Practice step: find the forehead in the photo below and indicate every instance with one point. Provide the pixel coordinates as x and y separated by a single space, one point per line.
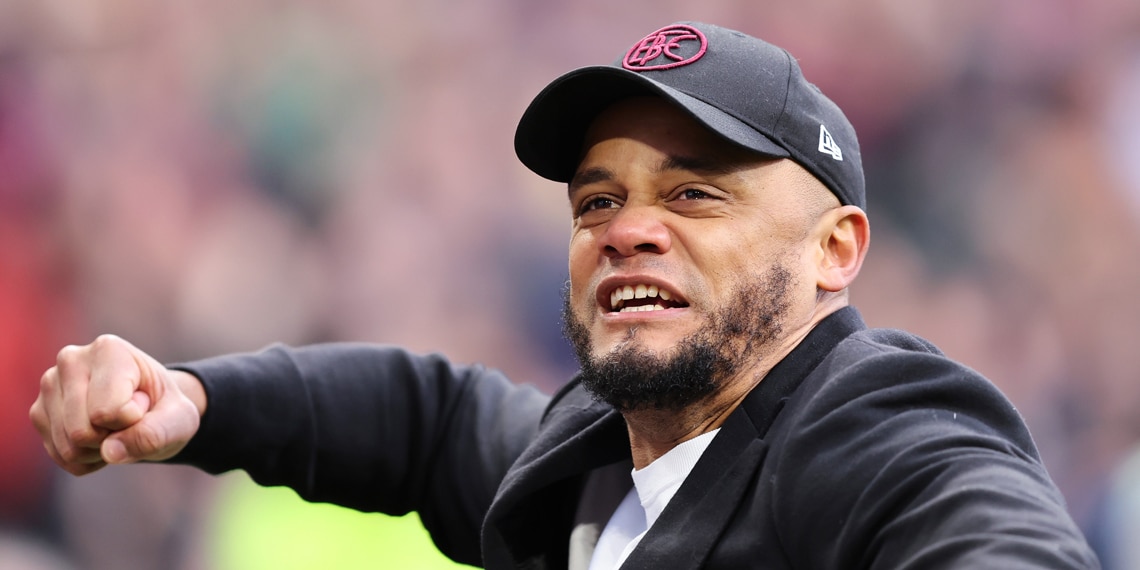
659 124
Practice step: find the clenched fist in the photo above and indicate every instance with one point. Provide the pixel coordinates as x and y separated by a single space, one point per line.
109 402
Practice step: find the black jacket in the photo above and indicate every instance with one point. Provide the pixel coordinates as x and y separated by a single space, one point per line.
861 449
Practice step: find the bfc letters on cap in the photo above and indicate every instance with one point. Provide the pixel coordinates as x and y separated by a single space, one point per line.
669 47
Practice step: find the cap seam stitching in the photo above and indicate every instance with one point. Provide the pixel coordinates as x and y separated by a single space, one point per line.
784 104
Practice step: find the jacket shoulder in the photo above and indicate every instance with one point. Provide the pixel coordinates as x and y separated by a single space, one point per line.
890 443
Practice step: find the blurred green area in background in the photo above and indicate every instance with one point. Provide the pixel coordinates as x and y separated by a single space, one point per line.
260 528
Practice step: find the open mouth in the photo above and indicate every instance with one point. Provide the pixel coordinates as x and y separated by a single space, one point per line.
636 298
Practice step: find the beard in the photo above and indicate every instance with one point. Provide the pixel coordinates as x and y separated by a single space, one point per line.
632 378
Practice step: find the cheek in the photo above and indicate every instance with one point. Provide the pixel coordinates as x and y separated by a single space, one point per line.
738 260
745 261
583 263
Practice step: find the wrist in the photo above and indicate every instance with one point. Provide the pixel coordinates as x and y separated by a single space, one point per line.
191 387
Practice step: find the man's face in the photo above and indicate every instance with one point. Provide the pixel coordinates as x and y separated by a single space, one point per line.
686 257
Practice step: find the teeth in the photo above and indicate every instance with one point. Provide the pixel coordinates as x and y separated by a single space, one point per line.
638 292
643 308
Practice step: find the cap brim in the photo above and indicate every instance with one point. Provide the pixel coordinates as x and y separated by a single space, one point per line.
549 136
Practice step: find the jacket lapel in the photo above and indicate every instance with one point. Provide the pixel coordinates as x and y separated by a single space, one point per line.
531 518
697 515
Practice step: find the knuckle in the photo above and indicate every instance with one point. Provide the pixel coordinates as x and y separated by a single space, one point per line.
78 435
85 437
102 414
105 341
100 417
150 439
73 466
159 436
67 355
80 469
38 417
70 455
49 381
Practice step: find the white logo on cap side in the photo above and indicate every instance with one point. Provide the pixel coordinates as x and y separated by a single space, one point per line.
827 144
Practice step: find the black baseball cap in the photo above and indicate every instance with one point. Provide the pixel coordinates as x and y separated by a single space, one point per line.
740 87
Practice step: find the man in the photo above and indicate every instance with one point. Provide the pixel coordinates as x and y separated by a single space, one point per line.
718 219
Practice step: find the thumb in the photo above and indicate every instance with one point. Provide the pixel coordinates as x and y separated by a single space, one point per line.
160 434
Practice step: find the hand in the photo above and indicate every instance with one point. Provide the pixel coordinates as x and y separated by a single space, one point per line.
109 402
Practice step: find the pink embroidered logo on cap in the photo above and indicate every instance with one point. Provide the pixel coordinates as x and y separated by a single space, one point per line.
665 48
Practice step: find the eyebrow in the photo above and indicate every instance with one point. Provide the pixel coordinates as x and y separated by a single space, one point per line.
590 176
699 164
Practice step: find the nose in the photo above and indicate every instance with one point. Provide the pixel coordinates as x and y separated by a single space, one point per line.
633 230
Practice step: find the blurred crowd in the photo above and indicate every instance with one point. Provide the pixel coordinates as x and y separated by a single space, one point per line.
204 177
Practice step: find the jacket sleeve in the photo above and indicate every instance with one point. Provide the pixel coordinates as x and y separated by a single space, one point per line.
368 427
903 459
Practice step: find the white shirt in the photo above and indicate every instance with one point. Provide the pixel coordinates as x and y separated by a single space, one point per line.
653 488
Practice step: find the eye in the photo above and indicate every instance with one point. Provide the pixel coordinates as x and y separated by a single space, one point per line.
697 199
596 203
694 194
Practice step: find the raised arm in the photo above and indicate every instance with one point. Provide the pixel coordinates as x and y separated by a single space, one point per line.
368 427
333 420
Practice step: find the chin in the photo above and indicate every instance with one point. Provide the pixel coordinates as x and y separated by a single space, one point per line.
642 338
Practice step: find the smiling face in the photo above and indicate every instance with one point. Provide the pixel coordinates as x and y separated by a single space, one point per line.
685 250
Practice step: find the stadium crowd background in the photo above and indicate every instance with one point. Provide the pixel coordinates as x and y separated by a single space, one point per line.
212 176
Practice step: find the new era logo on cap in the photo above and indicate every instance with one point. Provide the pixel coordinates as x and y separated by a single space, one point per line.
827 144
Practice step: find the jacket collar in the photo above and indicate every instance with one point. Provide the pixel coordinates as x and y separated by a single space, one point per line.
529 522
767 399
707 500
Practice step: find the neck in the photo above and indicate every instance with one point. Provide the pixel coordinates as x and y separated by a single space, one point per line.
652 433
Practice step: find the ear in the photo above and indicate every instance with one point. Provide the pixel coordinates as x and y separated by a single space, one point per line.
843 237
